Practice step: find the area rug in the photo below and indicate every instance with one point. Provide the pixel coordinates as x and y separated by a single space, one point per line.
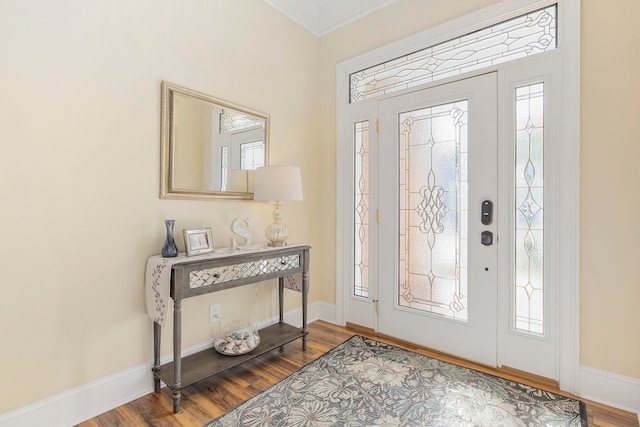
363 382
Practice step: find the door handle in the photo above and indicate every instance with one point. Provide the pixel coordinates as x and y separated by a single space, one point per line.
487 212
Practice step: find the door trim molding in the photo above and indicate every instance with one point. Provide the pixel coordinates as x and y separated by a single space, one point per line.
568 186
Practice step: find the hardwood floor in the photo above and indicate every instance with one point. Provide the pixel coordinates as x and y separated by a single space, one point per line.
211 398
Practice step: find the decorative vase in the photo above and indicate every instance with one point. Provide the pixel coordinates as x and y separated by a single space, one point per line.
169 250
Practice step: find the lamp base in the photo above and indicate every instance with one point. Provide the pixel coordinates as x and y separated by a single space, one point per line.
277 232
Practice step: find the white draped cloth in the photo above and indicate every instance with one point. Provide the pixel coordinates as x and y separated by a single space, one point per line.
158 277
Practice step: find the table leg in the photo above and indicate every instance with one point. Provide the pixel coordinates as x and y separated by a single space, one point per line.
281 298
177 353
157 334
281 305
305 294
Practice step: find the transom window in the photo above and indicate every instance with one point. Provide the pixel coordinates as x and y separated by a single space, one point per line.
515 38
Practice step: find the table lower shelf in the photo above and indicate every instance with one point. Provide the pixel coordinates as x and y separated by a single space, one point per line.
209 362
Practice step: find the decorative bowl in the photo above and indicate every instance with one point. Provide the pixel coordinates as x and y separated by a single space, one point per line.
236 338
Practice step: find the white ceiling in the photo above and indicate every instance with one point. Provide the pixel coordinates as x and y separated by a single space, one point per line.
323 16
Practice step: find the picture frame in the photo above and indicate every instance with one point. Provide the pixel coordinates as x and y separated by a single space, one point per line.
197 242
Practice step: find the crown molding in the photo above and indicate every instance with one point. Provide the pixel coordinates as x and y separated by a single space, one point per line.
320 17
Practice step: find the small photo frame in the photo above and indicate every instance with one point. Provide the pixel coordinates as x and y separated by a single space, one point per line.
198 242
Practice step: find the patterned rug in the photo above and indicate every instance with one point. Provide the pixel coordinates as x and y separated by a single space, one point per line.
363 382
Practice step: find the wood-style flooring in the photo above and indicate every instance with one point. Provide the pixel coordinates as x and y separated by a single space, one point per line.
211 398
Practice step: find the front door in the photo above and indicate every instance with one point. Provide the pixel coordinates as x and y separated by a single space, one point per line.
437 218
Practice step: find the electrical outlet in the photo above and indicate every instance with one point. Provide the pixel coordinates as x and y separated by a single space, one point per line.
214 313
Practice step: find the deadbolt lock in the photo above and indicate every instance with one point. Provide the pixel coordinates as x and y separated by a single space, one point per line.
486 238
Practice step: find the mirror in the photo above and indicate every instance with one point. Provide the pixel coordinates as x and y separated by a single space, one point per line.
210 148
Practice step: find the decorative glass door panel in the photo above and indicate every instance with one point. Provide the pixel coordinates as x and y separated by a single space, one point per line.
361 211
437 166
529 269
433 186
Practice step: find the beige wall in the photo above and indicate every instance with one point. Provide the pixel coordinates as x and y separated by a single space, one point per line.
610 175
79 170
610 155
79 113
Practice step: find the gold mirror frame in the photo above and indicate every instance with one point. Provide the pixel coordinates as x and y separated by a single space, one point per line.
168 164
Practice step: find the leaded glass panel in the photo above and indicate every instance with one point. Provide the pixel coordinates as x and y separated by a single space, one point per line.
234 121
361 211
522 36
433 190
529 212
252 155
224 167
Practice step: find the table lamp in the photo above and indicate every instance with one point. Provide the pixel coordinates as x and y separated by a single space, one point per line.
276 184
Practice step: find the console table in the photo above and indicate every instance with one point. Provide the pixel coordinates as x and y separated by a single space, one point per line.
203 274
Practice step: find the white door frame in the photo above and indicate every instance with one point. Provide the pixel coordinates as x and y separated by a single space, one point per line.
568 184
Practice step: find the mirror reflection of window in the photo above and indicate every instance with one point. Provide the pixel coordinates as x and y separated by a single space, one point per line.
224 167
234 121
252 155
238 141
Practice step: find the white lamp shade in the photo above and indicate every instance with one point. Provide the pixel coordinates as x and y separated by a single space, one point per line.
278 183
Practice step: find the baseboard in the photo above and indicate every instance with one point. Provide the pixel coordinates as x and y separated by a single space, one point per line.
316 311
86 401
327 312
94 398
610 389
